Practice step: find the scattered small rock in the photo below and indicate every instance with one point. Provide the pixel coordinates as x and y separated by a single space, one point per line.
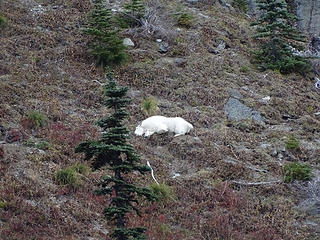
134 94
41 152
288 117
128 42
31 202
192 1
28 3
274 153
280 128
180 62
235 94
186 140
163 48
225 3
265 145
202 15
100 228
42 29
197 139
280 156
175 175
37 10
218 49
266 100
311 146
245 88
315 44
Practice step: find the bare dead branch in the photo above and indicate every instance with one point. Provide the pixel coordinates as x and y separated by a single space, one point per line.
255 183
152 175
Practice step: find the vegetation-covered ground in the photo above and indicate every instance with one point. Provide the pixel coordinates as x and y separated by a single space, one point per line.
46 73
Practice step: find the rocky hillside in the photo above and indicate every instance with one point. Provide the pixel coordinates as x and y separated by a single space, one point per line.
227 175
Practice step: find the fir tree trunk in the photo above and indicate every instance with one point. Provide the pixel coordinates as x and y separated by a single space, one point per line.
120 220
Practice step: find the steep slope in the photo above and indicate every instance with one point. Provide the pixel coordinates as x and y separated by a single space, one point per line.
205 68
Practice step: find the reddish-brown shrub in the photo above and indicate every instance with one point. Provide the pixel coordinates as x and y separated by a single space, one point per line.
221 227
265 234
26 124
156 224
14 135
66 135
227 197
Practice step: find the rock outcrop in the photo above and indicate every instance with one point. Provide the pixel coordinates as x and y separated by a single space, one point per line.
309 13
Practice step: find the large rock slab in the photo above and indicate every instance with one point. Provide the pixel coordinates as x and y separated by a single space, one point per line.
237 111
309 13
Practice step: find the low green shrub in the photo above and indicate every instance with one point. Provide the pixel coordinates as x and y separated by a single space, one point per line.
149 106
37 119
3 21
67 176
72 174
185 19
43 145
3 204
30 143
292 143
134 11
244 69
242 5
162 191
82 168
297 171
165 229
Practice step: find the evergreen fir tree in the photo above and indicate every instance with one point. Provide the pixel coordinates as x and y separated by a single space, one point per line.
107 46
134 11
112 150
136 8
276 29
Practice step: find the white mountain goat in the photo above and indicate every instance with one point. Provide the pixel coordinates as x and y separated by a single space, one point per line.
160 124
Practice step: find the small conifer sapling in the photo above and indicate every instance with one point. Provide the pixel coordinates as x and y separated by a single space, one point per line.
134 11
106 45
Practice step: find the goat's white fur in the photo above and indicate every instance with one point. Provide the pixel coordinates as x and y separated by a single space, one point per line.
160 124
